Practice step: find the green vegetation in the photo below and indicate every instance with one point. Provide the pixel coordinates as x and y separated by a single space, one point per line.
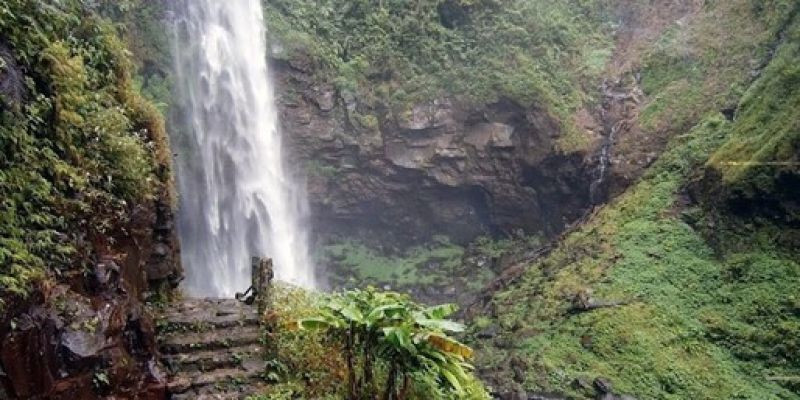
80 150
766 138
141 26
684 287
709 305
494 248
441 269
700 64
367 344
366 266
401 52
318 169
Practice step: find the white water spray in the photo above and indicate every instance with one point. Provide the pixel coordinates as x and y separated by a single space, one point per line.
237 198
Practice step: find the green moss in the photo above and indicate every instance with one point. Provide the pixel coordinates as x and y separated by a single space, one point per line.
366 265
142 28
81 149
700 65
478 51
317 168
710 303
573 140
766 138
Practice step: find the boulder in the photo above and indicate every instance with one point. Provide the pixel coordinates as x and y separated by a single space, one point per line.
484 135
603 385
323 97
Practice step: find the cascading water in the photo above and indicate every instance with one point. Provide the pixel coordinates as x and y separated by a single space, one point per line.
619 107
237 198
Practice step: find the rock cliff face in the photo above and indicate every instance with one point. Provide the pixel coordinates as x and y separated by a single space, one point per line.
89 333
439 168
459 169
84 332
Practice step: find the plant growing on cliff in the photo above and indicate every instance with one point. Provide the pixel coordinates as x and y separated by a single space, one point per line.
533 52
80 149
386 335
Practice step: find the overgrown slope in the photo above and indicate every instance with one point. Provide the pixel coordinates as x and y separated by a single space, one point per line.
686 285
85 206
80 146
394 53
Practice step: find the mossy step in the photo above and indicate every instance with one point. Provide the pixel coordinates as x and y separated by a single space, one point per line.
211 396
236 392
204 314
216 339
214 383
214 359
235 395
192 324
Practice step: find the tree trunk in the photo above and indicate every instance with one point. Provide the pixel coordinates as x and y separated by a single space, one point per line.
368 376
391 379
404 389
351 370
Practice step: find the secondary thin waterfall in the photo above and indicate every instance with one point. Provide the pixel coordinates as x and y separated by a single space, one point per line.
237 198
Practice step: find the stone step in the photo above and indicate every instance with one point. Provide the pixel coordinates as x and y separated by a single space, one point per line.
183 342
214 359
210 396
225 380
191 324
194 315
216 395
212 347
240 392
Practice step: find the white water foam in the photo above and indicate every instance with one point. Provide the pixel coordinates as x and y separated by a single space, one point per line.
237 197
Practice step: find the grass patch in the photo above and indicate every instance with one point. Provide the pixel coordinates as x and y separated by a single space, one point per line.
700 65
768 123
417 266
704 319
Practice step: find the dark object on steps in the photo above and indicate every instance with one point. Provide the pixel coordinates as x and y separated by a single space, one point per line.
244 298
213 347
261 279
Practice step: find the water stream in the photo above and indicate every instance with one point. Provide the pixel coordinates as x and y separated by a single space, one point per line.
237 196
619 103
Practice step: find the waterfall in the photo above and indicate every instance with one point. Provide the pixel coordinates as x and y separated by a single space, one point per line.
620 106
237 196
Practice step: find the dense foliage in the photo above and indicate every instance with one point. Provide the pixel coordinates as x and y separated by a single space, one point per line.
80 147
704 286
396 52
366 344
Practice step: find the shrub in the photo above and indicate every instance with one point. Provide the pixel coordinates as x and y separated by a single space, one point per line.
367 344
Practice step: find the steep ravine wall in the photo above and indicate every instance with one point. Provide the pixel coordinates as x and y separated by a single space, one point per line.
87 229
89 333
443 168
398 175
680 287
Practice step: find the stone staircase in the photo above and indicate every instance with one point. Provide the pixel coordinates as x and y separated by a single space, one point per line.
212 349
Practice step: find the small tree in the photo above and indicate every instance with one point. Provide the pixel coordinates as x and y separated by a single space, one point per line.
388 333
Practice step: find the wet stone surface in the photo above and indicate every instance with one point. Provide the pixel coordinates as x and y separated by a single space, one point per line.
211 348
